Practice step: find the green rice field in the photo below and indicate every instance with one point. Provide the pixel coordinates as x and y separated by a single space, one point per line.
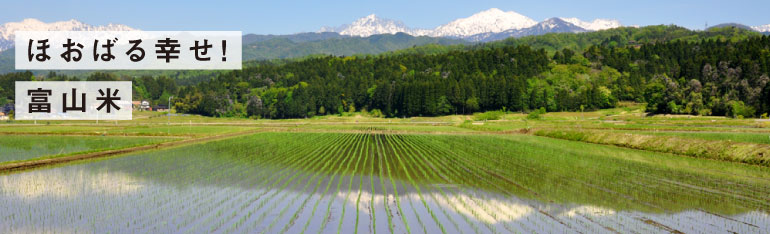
375 182
24 147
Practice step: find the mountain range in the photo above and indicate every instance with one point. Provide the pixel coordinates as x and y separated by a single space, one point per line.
552 25
489 25
8 30
762 28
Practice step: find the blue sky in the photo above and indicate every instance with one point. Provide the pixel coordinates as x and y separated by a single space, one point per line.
282 17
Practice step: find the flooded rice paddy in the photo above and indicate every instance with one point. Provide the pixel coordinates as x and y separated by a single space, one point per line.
387 183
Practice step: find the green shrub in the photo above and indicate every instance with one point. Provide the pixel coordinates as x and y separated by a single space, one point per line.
704 112
536 114
377 113
739 109
489 115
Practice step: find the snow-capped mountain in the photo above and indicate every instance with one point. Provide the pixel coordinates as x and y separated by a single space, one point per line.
595 25
762 28
482 26
551 25
493 20
370 25
8 30
5 44
555 25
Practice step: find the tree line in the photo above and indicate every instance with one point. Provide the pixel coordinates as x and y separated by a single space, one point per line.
711 77
708 77
703 77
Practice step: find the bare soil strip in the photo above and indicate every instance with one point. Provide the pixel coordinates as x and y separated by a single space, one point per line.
64 159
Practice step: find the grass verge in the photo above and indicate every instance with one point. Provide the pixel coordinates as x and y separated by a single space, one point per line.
744 152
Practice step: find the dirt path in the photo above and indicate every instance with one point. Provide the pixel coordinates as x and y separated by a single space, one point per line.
70 158
97 134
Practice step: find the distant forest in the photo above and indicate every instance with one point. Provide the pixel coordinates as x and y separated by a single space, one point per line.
721 71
